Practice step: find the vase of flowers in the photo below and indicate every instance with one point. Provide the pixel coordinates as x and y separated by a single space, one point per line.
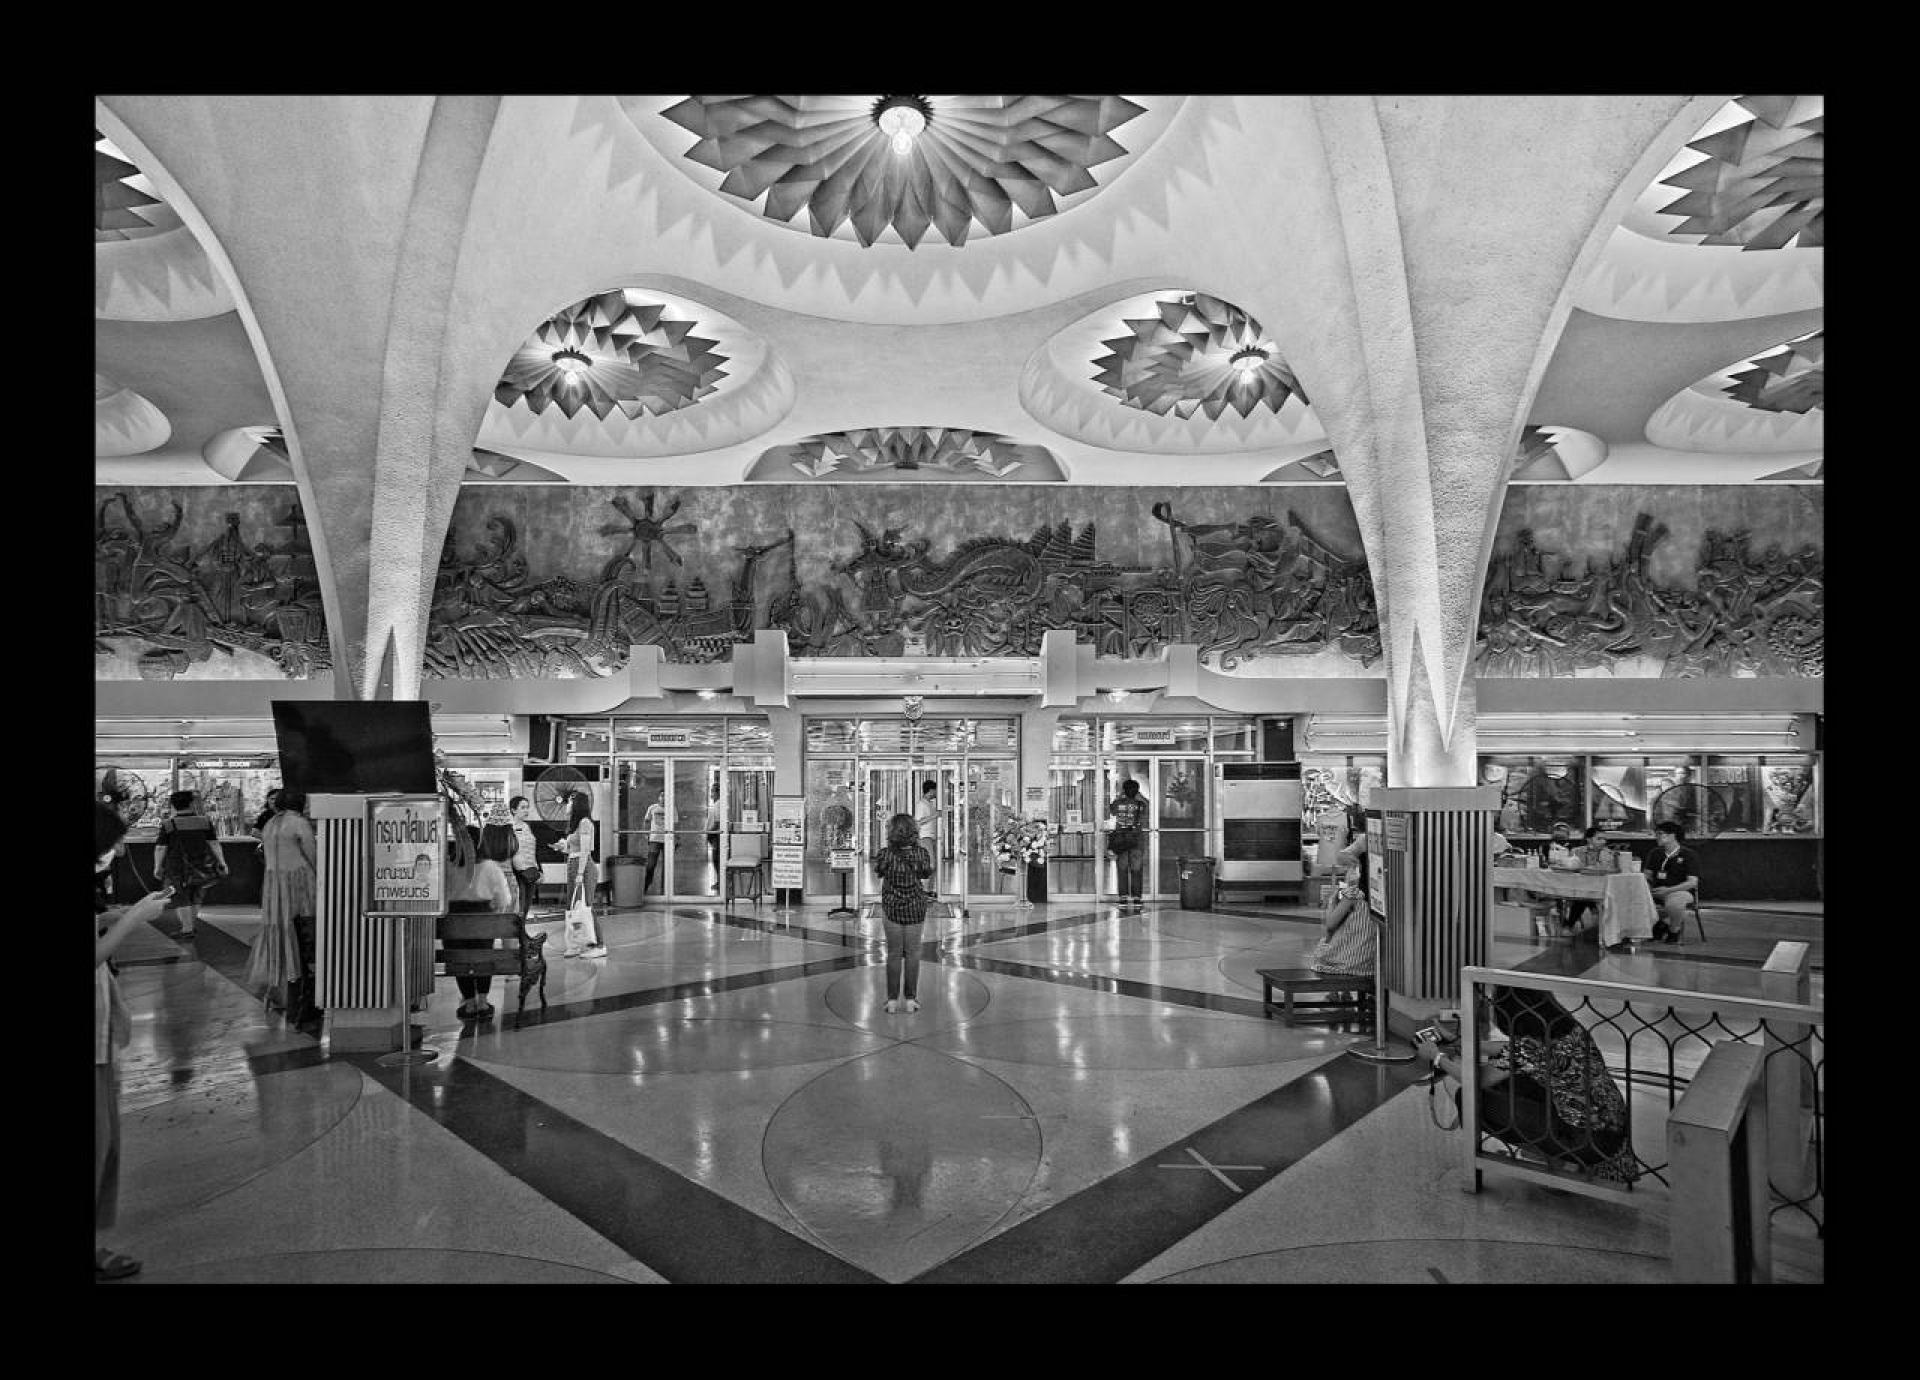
1020 845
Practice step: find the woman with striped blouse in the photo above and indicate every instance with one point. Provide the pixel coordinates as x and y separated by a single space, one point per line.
901 866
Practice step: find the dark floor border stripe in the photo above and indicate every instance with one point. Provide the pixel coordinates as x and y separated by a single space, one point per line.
1109 1229
536 1015
1100 982
677 1228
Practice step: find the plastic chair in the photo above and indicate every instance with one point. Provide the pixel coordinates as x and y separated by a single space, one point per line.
746 862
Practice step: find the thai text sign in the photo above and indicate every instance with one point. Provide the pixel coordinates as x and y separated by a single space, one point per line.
407 854
789 841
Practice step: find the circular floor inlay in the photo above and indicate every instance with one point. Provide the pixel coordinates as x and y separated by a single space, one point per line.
1135 1042
946 995
655 1040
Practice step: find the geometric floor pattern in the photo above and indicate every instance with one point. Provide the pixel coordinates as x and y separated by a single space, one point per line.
1084 1096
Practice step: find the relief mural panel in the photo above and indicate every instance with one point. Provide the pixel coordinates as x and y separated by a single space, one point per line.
207 583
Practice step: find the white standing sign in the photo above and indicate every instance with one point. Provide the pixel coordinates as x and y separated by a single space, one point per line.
407 854
789 842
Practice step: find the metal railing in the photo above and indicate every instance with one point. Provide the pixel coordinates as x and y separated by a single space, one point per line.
1560 1111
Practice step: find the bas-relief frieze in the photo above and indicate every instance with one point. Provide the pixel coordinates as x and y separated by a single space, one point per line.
1743 614
168 605
1257 587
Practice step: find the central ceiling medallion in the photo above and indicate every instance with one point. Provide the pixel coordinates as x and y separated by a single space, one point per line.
616 350
1195 354
874 164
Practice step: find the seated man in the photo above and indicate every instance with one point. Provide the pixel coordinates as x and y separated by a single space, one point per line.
1592 853
1674 877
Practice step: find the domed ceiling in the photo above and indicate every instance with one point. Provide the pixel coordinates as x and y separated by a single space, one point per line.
125 206
1169 372
887 169
636 372
1759 181
616 350
895 453
1770 402
1789 379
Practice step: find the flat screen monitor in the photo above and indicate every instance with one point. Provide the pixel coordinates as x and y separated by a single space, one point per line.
355 747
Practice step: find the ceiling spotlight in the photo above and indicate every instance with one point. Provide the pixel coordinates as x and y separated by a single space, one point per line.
901 119
1247 360
571 363
1117 696
707 694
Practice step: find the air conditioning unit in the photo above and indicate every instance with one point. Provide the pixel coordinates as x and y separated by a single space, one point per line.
1259 812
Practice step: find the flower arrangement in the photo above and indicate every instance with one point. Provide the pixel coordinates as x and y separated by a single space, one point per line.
1017 841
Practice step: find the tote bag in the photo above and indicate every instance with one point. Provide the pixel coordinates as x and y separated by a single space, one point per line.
582 933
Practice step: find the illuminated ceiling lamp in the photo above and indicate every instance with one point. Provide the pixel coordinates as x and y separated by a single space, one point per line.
901 119
573 364
1247 361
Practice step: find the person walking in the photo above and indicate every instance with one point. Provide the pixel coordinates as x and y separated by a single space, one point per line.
583 873
901 866
112 1031
526 851
713 827
277 968
1126 839
187 855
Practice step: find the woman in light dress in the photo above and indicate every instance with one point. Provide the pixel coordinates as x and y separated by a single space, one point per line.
583 874
277 967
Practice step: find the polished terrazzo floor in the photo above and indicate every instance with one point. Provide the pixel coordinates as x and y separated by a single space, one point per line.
1084 1096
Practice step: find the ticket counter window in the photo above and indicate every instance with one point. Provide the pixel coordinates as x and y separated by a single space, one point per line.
1770 793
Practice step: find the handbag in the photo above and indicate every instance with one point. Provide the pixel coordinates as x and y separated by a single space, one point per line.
581 931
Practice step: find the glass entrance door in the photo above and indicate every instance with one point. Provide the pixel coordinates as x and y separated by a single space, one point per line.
662 807
965 795
1175 789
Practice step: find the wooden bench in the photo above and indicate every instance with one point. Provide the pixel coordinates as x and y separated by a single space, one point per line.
1291 982
520 954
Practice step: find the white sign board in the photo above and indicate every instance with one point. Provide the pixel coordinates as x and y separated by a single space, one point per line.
669 737
1377 865
1153 737
1036 802
841 860
407 854
789 841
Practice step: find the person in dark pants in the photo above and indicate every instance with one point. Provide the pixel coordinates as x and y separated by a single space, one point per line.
1674 877
1126 839
713 826
901 866
526 850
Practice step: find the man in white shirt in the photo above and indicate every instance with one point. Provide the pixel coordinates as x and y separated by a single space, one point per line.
926 820
526 858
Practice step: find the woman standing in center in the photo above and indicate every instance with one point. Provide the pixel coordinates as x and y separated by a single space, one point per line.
286 890
583 874
902 865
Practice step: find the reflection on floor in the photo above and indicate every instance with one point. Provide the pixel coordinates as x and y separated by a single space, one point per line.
1084 1096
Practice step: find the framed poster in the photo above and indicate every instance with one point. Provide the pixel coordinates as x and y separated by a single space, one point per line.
407 854
841 860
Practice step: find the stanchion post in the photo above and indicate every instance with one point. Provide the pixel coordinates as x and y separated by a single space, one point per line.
1382 1052
406 1054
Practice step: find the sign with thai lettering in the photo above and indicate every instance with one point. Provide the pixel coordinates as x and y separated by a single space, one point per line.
407 854
1377 865
669 737
1153 737
789 841
841 860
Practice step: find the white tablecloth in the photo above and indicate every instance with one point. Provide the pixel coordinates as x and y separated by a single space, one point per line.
1626 902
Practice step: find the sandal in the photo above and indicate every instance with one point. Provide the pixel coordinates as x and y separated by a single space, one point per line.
113 1265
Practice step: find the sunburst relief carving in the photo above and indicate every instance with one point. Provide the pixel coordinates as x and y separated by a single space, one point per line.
1762 184
1789 379
614 350
1195 354
991 162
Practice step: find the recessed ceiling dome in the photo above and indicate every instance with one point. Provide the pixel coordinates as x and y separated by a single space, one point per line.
1755 178
947 454
885 169
1789 379
1195 353
125 206
620 350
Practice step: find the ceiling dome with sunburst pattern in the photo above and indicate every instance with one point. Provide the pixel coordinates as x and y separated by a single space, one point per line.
1194 353
886 169
948 454
619 350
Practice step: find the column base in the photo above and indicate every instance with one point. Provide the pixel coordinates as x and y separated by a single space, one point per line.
369 1030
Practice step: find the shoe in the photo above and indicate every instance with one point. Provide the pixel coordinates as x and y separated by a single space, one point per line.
484 1011
597 951
113 1265
892 1006
912 1006
465 1009
1661 934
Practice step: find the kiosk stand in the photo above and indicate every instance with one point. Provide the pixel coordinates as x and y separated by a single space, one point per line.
405 1054
406 876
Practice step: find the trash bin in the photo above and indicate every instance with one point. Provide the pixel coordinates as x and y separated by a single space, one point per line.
1196 884
629 880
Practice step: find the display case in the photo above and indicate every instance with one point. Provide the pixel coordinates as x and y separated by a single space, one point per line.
1766 793
1537 792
